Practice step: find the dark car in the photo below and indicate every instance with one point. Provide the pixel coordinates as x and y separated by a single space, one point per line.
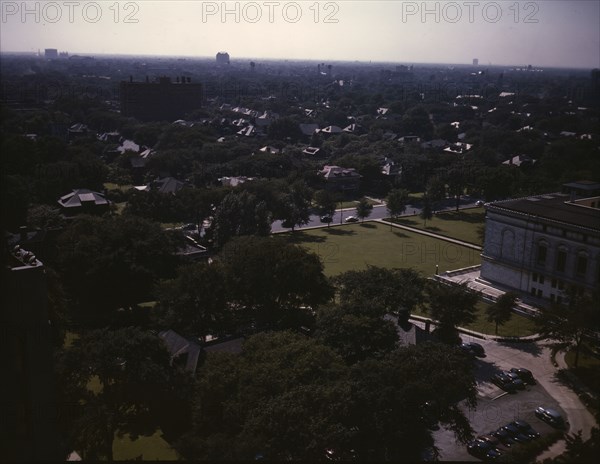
524 374
516 380
326 219
473 348
515 433
504 382
492 440
526 429
483 450
504 437
551 416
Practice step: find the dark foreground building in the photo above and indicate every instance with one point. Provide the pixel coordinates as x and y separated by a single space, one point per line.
29 406
160 101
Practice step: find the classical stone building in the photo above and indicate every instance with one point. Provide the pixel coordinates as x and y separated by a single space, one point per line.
544 245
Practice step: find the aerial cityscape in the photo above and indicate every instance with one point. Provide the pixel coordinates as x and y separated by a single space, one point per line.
307 231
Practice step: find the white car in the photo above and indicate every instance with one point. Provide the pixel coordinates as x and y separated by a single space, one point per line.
351 219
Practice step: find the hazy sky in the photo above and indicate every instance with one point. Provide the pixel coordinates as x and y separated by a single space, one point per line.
541 33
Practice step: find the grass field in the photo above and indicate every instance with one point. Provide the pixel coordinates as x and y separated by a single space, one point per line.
517 326
462 225
588 370
354 247
147 448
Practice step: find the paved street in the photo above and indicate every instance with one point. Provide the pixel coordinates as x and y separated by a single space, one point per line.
379 212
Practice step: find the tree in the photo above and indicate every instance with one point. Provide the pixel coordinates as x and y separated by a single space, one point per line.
382 290
134 376
297 206
364 208
355 331
426 210
284 396
109 263
451 306
326 202
500 311
436 190
272 278
195 302
570 323
390 394
396 203
240 213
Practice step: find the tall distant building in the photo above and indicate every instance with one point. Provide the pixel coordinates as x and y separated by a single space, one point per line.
475 61
160 101
222 58
544 245
51 53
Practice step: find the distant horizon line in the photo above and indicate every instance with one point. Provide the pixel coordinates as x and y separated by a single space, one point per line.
39 53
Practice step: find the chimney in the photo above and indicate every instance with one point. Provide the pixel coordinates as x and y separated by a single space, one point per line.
22 233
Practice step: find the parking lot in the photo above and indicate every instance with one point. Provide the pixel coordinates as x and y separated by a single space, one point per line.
496 408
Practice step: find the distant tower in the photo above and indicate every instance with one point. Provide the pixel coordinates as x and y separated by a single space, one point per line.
51 53
475 61
222 58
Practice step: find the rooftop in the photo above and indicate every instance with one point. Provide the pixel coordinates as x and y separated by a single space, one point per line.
553 207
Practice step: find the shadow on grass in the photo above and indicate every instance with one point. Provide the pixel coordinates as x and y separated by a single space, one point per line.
340 231
461 216
368 226
400 234
301 237
433 229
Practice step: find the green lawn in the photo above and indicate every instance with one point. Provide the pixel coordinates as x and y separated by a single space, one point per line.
517 326
588 367
147 448
462 225
354 247
123 188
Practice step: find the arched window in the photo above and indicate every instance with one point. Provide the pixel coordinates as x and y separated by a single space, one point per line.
541 252
561 258
581 265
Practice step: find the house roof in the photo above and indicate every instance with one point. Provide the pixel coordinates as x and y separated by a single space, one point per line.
178 345
82 197
309 129
553 207
336 172
168 185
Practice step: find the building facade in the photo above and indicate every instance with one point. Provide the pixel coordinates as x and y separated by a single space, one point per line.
546 246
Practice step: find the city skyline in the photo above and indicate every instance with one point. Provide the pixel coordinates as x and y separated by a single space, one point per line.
543 34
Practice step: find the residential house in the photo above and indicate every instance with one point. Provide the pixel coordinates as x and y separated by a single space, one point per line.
84 201
340 179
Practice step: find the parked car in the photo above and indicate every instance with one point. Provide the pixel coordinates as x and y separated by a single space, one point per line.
483 450
504 382
515 433
525 428
480 203
504 437
326 219
351 219
475 348
524 374
492 440
551 416
516 380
